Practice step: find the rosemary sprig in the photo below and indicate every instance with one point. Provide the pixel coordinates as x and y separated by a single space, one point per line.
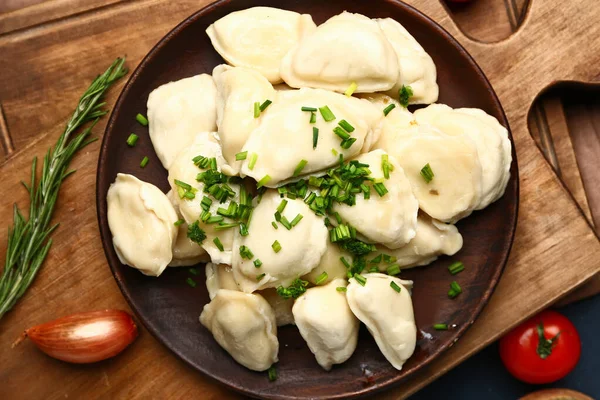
29 238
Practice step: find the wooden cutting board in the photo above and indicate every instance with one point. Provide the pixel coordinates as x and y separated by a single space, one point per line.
46 64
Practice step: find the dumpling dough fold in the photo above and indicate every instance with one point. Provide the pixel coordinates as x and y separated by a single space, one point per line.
185 251
219 276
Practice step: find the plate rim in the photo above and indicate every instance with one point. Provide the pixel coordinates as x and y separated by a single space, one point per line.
156 333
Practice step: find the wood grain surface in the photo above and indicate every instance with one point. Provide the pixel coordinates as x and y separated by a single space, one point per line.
45 69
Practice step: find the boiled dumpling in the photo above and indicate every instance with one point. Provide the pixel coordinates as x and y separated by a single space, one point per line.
330 263
238 89
177 111
183 169
185 251
455 189
346 48
392 128
326 323
301 247
142 222
219 276
285 135
417 69
244 325
259 37
491 138
390 219
433 239
388 314
281 307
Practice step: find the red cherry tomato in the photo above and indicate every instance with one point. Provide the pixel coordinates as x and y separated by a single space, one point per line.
542 349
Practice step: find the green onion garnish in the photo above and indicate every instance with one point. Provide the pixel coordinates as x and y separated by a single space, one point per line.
455 290
338 218
252 162
132 139
263 181
385 166
346 125
341 289
351 89
380 189
341 133
257 263
313 117
427 173
456 267
315 136
311 197
360 279
376 260
394 286
245 252
389 108
347 143
284 221
326 113
272 374
373 269
259 277
194 271
334 152
191 282
345 262
179 222
297 219
256 109
300 167
274 224
205 203
311 109
213 219
264 105
144 162
281 206
440 327
241 156
141 119
321 278
183 185
404 95
276 246
223 226
218 243
393 269
244 229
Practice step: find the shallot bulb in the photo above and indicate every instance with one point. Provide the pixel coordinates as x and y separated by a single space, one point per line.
85 337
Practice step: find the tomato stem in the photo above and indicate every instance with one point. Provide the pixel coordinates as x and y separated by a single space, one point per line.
545 346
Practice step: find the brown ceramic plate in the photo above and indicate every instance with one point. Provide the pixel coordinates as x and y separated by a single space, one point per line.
169 308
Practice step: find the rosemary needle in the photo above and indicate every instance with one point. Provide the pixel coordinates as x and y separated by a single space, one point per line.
29 238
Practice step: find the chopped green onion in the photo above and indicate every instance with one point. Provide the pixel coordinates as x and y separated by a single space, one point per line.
395 286
334 152
321 278
313 117
326 113
274 224
259 277
338 218
244 229
179 222
194 271
300 167
296 219
183 185
257 263
389 259
388 109
456 267
440 327
272 374
456 287
385 166
347 143
256 109
132 140
223 226
141 119
189 195
214 219
346 125
341 289
380 189
281 206
315 136
311 109
393 269
252 162
245 252
263 181
310 198
284 221
376 260
360 279
276 246
341 133
218 243
241 156
404 95
373 269
345 262
351 89
144 162
190 281
264 105
205 203
427 173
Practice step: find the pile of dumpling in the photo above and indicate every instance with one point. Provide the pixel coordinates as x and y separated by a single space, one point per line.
307 198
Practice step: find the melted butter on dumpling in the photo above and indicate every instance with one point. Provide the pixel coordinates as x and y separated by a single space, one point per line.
183 169
142 222
301 247
244 325
417 69
390 219
237 91
491 138
346 48
177 111
259 37
285 134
